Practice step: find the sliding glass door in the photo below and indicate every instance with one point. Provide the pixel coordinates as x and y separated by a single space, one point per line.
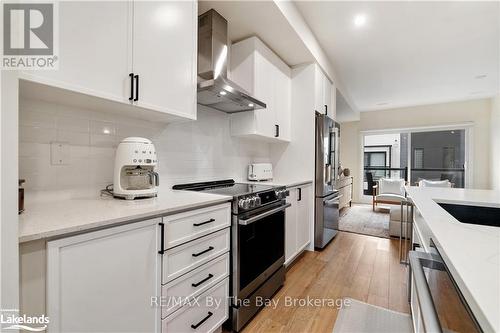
438 155
384 157
415 155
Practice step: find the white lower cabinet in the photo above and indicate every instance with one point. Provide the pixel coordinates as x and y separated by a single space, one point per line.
194 283
104 281
184 258
120 279
195 274
206 314
298 221
183 227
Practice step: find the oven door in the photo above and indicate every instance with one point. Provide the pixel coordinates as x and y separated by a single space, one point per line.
258 247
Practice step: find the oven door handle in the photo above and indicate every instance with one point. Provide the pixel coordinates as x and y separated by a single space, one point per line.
255 218
424 298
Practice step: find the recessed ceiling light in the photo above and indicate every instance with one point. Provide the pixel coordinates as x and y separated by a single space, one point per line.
360 20
481 76
250 105
222 93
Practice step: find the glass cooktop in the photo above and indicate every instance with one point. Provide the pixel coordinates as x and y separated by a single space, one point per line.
224 187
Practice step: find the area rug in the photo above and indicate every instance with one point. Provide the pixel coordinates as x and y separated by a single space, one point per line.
362 219
360 317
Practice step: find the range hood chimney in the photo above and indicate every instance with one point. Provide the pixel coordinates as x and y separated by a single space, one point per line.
214 88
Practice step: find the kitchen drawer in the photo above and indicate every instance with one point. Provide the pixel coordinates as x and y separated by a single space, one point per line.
184 258
183 227
194 283
201 316
344 182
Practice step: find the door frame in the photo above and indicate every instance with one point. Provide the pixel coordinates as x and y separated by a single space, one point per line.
469 149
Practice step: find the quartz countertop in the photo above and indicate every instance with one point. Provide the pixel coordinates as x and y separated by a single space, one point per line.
471 252
57 215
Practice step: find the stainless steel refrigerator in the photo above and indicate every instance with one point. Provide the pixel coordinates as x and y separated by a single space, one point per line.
326 212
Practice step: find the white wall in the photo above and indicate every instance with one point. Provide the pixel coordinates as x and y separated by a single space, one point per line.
475 111
495 143
190 151
9 260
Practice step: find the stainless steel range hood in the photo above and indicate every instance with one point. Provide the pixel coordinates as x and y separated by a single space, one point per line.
215 90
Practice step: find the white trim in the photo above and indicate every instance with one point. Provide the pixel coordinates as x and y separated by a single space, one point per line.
464 125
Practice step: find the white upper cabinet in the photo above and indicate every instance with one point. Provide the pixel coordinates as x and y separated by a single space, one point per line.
141 53
164 55
265 76
324 93
94 50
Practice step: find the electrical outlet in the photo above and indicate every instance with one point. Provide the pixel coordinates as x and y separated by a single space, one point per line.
59 153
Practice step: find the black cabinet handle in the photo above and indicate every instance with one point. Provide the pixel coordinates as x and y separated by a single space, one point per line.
195 326
202 223
202 281
210 248
326 109
131 75
136 87
300 194
162 238
277 134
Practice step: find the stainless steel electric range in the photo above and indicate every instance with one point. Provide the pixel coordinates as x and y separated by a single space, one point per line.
257 243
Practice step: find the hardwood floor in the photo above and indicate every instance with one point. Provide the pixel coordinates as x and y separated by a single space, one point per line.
362 267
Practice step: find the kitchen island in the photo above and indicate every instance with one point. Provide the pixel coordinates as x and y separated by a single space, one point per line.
471 252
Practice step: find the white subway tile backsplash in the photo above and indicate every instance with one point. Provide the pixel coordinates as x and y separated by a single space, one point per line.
37 119
188 152
73 138
73 124
37 134
34 150
102 127
103 140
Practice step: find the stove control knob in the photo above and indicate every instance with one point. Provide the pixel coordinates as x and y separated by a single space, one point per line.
281 194
253 202
258 201
244 203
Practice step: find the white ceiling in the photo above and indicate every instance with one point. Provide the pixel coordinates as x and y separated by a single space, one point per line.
410 53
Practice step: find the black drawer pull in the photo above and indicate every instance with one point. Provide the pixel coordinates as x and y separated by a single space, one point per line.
136 87
210 248
202 281
131 75
162 238
210 314
202 223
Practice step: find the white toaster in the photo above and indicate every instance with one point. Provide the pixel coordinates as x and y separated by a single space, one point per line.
260 171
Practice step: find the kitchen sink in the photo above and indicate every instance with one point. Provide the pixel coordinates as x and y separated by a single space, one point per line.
473 214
